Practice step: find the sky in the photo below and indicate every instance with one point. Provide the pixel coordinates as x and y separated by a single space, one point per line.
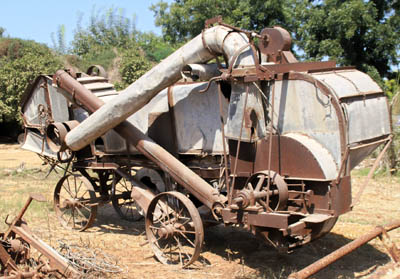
36 20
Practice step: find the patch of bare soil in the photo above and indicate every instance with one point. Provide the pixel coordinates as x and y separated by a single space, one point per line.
228 252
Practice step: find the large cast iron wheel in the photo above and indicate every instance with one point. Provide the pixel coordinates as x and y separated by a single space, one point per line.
73 202
174 229
122 201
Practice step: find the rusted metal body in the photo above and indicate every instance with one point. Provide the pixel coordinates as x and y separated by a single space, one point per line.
20 240
379 231
261 140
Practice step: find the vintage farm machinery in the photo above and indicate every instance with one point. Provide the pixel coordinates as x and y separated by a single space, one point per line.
17 245
260 140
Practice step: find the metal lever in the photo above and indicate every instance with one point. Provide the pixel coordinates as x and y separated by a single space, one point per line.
33 196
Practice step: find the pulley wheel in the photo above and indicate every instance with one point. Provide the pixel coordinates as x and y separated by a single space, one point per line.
259 182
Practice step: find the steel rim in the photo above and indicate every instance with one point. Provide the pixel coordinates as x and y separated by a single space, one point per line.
72 202
174 229
122 201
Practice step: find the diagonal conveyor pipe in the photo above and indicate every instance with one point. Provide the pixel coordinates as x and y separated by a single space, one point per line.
218 40
154 152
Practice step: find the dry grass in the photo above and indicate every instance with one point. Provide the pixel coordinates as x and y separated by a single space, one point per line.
228 252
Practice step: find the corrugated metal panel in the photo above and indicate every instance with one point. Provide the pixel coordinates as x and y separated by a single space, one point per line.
98 86
91 79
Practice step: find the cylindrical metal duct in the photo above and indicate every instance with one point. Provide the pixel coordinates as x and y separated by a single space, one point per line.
200 71
219 40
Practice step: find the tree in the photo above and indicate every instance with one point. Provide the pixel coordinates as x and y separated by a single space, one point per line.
110 28
133 65
354 32
107 33
363 33
20 62
155 47
2 30
59 44
185 19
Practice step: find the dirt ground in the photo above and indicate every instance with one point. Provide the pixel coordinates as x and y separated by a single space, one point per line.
228 252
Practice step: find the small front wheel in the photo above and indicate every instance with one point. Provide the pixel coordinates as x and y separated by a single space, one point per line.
174 229
74 203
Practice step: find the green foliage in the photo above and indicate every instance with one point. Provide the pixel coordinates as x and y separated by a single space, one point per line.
355 32
98 55
110 37
363 33
154 46
109 29
183 20
133 65
2 30
59 44
99 42
20 62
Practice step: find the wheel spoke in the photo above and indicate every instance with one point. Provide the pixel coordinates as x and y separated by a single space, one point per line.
68 191
187 239
189 232
260 182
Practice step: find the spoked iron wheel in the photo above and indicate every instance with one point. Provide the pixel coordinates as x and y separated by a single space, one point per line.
123 203
174 229
73 202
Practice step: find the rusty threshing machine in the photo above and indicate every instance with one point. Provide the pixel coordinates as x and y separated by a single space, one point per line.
256 139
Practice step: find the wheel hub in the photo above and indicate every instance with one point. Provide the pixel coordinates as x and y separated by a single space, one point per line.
71 203
166 232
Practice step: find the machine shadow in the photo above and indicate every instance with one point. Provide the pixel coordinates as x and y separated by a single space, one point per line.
108 221
239 245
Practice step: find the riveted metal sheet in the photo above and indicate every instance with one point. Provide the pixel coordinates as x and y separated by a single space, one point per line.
301 108
367 118
35 142
321 154
59 105
197 118
346 83
37 97
254 127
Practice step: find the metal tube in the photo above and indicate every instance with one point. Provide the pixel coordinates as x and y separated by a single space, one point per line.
217 40
200 71
337 254
181 173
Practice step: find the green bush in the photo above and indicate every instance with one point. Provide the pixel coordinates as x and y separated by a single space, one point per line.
20 62
133 65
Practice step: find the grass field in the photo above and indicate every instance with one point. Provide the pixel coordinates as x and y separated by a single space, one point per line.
228 252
